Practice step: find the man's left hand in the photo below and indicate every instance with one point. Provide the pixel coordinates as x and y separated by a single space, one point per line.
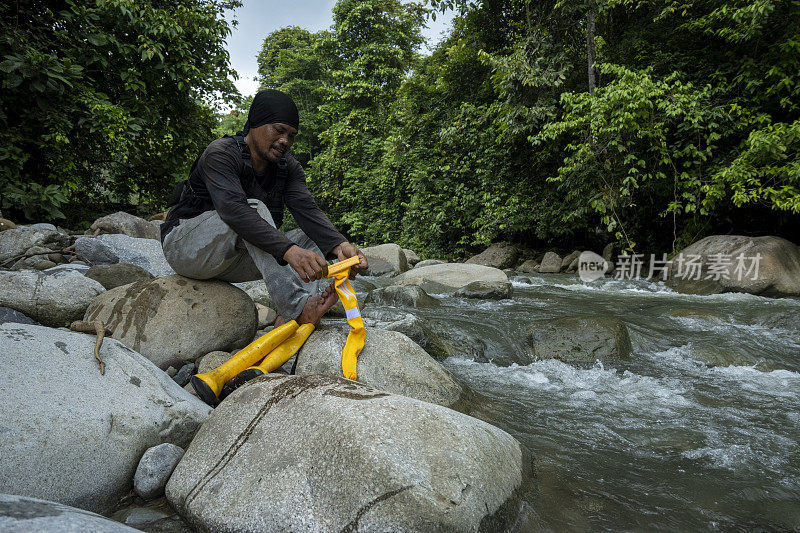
347 250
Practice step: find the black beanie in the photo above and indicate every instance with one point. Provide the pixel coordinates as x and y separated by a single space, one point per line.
270 107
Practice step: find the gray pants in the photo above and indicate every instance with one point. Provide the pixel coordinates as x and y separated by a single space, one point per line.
204 247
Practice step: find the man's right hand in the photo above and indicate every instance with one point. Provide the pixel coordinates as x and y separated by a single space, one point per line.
308 265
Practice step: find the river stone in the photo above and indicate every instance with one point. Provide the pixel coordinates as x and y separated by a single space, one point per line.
409 325
126 224
95 251
72 435
551 263
389 361
429 262
529 267
320 453
113 276
408 295
14 242
76 266
19 514
176 317
411 257
6 224
487 290
499 255
146 253
266 316
579 339
53 298
778 272
568 259
12 315
382 255
449 277
155 467
257 291
212 360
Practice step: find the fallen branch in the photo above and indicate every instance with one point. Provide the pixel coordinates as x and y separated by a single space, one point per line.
97 328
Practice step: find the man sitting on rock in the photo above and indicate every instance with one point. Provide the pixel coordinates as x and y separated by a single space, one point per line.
225 224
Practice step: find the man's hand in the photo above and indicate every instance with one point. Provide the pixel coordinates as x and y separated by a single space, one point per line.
308 265
346 251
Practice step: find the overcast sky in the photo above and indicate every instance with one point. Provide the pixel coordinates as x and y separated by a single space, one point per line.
257 18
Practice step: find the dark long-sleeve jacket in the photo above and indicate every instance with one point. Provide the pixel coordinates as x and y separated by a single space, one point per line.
221 179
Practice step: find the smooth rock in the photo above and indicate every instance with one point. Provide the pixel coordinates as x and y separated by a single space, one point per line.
76 266
160 217
176 317
499 255
257 291
183 375
17 241
146 253
212 360
486 290
53 298
117 275
411 257
579 339
12 315
126 224
449 277
95 251
73 435
318 453
429 262
155 516
266 316
389 361
385 258
155 467
778 267
608 253
6 224
551 263
408 295
19 514
529 267
409 325
569 258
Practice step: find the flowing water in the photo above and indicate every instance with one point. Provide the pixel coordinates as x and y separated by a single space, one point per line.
699 430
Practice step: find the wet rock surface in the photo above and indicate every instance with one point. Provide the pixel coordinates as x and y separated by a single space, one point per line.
580 339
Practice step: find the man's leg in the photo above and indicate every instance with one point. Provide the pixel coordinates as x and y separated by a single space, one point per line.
204 247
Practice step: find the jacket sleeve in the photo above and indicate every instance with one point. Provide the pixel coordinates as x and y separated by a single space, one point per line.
220 171
307 213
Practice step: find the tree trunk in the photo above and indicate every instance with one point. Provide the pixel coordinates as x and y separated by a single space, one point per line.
590 45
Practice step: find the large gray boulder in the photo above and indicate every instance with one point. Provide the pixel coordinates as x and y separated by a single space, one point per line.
146 253
126 224
579 339
319 453
113 276
385 258
449 277
551 263
486 290
19 514
257 291
499 255
429 262
53 298
176 317
408 295
411 257
14 242
529 267
389 361
95 251
72 435
726 262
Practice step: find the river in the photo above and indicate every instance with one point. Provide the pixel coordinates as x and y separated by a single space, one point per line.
699 430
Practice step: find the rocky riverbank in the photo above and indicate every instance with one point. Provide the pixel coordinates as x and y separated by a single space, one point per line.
405 447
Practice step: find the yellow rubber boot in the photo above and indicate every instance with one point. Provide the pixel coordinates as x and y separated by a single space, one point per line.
209 385
356 338
274 360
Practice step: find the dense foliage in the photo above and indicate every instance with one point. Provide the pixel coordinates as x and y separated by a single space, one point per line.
105 102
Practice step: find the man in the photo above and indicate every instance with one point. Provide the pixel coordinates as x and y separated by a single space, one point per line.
225 224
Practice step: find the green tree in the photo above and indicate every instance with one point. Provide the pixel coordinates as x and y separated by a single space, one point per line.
106 102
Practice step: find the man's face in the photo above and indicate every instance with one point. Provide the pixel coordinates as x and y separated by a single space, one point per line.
272 141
